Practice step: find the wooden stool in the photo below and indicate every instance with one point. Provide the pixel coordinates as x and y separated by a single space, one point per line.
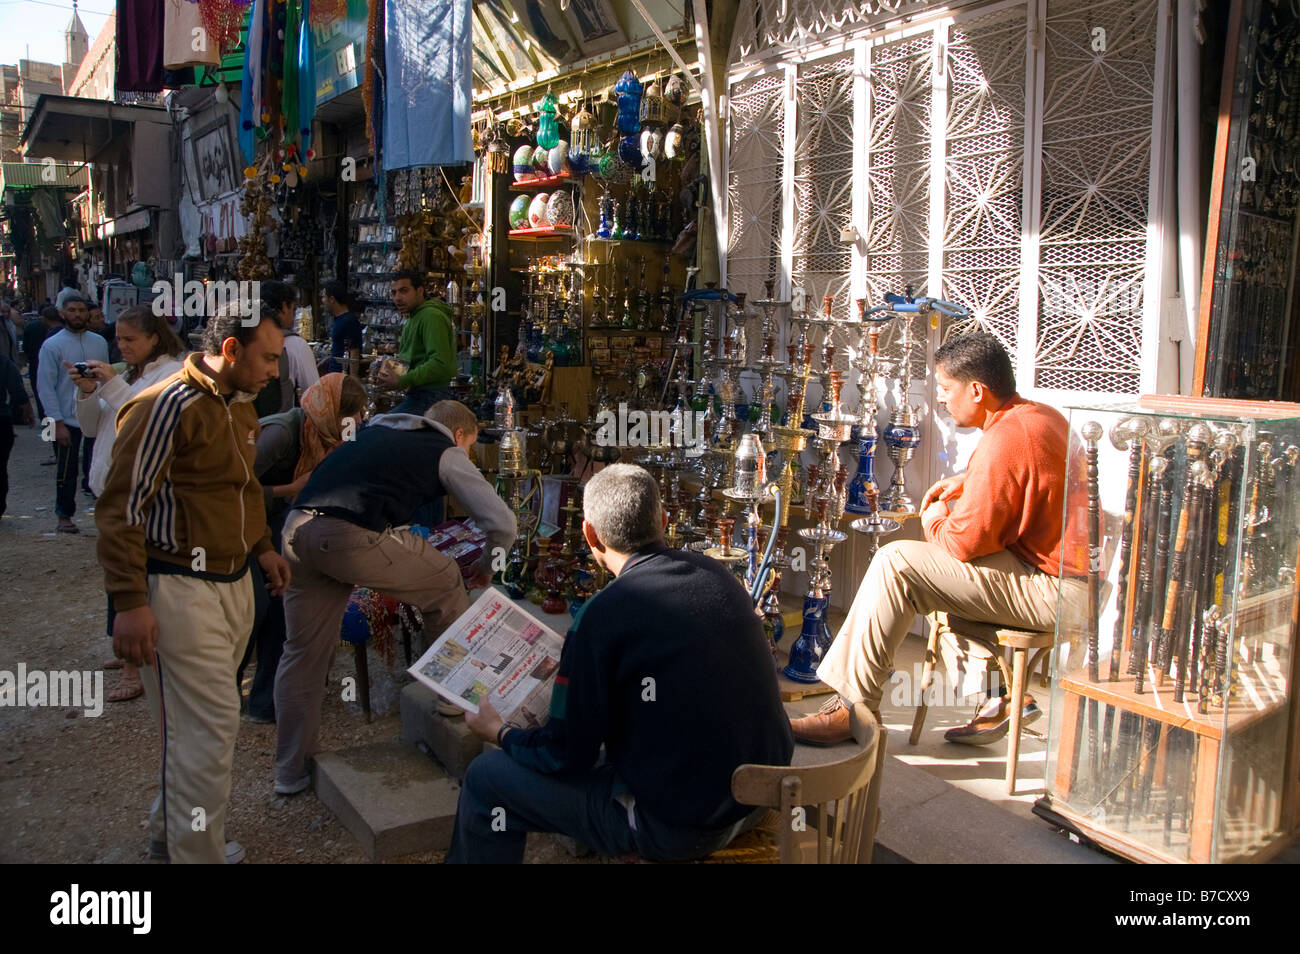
996 639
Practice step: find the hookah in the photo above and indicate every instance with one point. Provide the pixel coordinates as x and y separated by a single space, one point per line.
902 435
864 492
827 493
519 486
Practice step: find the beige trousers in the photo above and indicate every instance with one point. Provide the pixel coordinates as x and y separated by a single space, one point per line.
203 628
909 578
327 558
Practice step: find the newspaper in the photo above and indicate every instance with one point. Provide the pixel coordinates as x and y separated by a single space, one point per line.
498 651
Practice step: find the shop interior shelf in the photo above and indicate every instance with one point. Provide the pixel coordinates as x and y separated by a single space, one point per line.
626 241
547 182
541 234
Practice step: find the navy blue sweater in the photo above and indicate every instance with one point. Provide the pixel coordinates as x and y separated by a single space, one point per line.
668 668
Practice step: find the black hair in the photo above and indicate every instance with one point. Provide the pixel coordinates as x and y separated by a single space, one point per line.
338 291
50 313
412 275
978 357
231 323
277 294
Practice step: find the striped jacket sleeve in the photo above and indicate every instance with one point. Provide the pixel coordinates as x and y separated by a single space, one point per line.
131 505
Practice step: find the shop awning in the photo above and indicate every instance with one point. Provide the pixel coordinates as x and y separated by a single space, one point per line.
131 222
35 175
73 129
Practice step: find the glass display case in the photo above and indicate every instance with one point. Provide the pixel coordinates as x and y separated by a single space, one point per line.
1173 725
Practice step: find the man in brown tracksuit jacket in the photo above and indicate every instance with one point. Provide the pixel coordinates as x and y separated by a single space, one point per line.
180 513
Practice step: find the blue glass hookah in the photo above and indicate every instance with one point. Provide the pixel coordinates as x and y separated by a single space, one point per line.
827 491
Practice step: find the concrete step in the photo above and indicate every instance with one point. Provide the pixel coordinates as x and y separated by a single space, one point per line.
449 740
393 799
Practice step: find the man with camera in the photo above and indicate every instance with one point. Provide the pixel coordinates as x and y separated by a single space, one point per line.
68 349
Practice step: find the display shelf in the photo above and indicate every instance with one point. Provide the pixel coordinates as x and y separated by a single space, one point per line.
548 182
595 239
541 234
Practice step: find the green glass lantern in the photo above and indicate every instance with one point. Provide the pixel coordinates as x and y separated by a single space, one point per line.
548 128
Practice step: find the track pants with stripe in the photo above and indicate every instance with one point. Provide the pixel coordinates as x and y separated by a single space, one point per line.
203 627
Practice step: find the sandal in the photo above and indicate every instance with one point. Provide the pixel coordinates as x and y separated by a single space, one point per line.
112 664
125 691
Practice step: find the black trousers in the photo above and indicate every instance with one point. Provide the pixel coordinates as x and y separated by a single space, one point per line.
87 451
6 445
66 474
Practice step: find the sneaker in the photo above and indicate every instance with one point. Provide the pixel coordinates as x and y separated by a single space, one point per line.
293 788
829 725
259 718
234 852
992 722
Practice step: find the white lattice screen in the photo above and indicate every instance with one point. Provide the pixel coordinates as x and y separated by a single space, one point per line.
1096 168
1077 232
756 161
823 181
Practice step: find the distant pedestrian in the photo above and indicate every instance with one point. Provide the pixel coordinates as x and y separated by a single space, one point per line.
34 334
14 406
345 329
59 355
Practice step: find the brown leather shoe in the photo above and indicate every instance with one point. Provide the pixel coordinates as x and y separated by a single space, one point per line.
829 725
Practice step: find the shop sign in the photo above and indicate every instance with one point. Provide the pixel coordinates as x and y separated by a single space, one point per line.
340 49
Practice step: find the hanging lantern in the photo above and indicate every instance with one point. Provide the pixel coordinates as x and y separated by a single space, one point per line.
652 142
654 111
675 90
497 159
548 129
628 89
675 142
629 151
582 134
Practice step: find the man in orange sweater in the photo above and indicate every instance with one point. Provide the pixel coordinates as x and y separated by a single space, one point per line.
992 550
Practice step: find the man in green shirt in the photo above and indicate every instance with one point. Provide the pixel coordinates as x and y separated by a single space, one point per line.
428 346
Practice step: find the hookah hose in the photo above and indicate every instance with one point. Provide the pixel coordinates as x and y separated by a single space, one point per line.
756 590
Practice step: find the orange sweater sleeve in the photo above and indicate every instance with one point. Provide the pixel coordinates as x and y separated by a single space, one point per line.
987 516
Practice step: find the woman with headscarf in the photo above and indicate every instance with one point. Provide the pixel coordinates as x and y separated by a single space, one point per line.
151 353
289 447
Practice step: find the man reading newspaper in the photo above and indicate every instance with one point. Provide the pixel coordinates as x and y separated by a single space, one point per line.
667 669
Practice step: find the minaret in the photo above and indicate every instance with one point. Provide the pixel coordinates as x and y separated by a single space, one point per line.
76 43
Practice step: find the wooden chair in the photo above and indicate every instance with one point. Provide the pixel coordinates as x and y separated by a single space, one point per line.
837 803
997 640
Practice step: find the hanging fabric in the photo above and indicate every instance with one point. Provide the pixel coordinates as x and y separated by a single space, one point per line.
139 35
306 80
186 38
374 78
428 59
250 105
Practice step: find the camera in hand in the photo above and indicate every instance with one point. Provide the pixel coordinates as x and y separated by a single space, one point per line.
83 369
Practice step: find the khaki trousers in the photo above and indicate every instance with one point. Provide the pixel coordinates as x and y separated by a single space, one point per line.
203 628
909 578
327 558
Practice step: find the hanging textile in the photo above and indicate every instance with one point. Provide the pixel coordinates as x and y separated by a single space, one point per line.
139 35
186 39
428 59
374 77
306 80
250 105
